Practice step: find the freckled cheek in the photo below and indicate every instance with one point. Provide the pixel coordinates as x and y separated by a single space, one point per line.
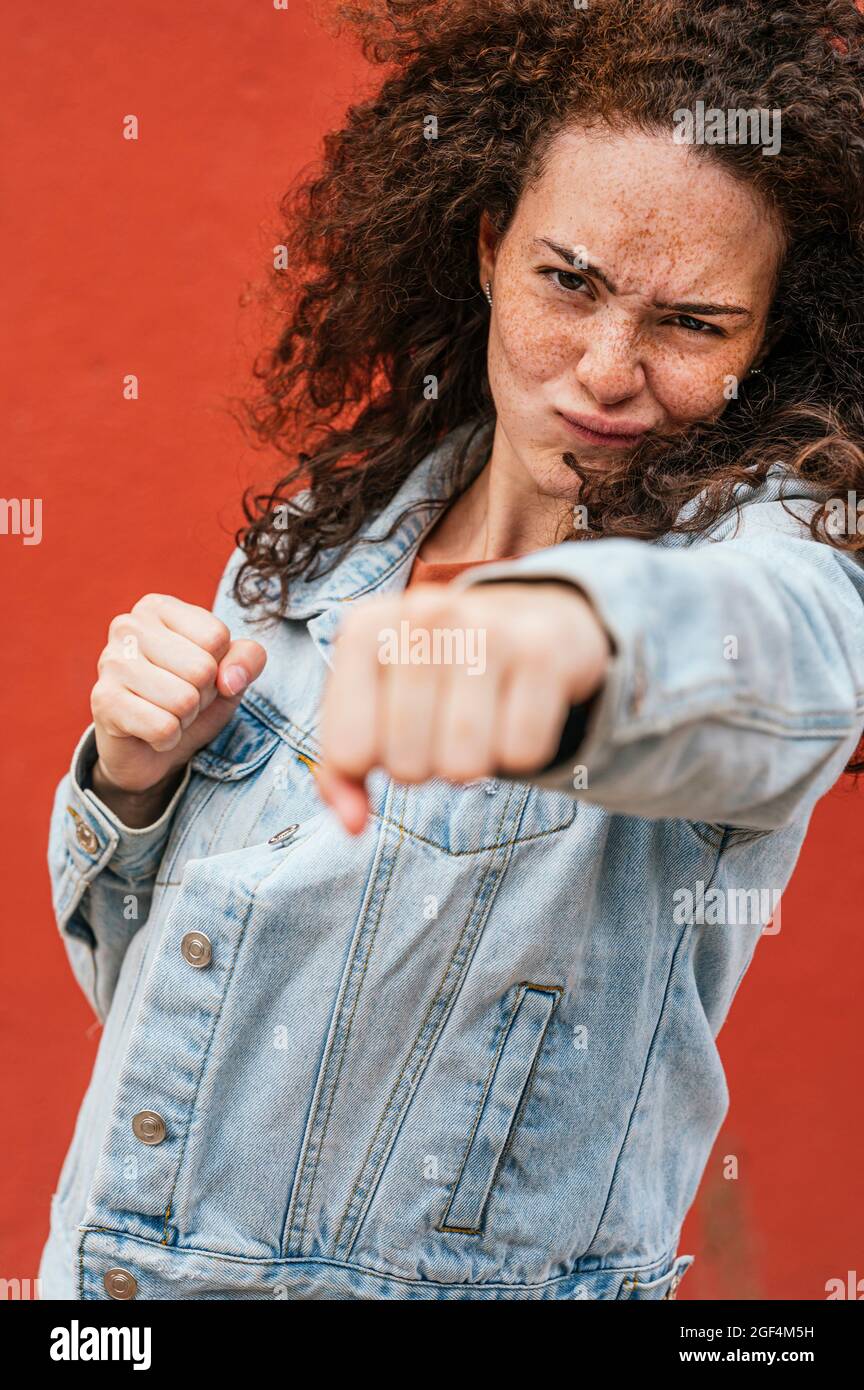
529 348
689 390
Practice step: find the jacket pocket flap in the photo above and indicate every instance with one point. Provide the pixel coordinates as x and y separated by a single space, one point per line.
238 749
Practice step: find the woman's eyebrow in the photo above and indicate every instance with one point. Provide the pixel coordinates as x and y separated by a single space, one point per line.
715 309
580 263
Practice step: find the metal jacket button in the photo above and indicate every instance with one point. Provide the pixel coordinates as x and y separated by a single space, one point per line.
119 1283
86 838
196 949
283 836
148 1127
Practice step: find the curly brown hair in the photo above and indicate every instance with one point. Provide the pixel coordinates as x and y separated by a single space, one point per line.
380 291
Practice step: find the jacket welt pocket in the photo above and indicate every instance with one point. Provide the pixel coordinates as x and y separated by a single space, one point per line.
506 1087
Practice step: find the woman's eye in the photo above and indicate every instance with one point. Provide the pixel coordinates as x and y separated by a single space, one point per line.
696 325
572 282
581 282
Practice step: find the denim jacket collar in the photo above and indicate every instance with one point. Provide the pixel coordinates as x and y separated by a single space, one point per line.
380 564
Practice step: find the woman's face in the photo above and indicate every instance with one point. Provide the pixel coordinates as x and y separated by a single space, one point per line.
630 295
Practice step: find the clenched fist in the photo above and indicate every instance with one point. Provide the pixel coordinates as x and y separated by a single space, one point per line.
170 678
458 684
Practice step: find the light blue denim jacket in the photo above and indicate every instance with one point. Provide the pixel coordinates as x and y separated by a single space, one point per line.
471 1053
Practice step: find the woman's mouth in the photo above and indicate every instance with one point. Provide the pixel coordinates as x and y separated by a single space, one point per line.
592 430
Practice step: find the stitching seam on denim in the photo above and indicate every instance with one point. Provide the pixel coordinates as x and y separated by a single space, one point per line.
328 1063
483 896
349 1266
202 1065
688 928
483 849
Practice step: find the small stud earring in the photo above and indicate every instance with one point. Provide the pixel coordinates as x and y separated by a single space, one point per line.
755 371
488 291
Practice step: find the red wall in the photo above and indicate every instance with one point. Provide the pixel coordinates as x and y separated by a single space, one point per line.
141 257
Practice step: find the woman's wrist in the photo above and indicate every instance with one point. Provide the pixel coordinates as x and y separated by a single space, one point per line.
136 809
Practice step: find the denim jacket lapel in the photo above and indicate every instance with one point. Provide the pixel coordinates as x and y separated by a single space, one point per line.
380 563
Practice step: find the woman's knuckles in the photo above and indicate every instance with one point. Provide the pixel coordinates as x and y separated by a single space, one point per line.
528 634
409 765
461 765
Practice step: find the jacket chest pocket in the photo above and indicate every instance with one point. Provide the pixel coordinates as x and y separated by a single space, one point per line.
247 785
481 816
502 1101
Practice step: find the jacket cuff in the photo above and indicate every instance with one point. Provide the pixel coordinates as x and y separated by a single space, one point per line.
94 834
572 736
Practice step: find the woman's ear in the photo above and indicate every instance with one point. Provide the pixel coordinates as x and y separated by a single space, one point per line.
487 248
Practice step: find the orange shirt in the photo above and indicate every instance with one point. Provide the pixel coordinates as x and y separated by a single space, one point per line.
441 572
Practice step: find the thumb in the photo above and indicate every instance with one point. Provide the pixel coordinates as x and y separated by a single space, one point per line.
242 663
240 666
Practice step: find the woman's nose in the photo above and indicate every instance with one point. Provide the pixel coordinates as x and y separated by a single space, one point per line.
610 365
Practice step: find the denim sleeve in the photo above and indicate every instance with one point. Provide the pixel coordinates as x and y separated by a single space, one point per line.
736 691
102 875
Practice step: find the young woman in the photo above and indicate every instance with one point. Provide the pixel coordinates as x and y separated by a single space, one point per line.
412 908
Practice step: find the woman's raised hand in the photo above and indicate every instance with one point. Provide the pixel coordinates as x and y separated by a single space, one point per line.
170 678
458 684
